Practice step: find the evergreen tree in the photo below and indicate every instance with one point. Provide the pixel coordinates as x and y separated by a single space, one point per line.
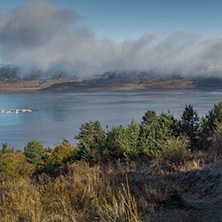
116 142
121 142
208 125
149 117
152 135
91 141
132 152
34 152
189 125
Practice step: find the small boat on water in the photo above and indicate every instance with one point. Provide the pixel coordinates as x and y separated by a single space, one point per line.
17 110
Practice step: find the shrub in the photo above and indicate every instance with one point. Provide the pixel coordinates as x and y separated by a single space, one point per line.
61 153
216 139
6 149
175 148
15 164
55 158
34 152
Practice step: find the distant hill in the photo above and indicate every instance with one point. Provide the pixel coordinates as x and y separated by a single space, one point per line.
208 82
11 79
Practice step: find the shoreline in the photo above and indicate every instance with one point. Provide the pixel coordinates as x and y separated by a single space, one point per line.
22 91
61 89
69 87
67 84
96 84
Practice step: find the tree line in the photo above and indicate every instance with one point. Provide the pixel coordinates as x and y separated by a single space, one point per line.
156 135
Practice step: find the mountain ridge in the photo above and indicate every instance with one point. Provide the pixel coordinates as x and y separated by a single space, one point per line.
11 81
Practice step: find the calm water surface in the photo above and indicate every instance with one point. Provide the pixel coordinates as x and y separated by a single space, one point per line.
61 114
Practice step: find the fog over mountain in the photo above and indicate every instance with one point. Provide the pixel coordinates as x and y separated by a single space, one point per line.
38 35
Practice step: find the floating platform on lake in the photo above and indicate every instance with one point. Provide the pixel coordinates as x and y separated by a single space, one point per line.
17 110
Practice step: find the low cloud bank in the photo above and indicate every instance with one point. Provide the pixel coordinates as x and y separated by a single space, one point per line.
40 36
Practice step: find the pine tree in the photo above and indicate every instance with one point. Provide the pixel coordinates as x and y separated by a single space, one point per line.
208 125
152 135
91 141
189 125
34 152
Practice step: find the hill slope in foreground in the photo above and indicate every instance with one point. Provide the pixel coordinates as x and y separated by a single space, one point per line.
102 83
160 190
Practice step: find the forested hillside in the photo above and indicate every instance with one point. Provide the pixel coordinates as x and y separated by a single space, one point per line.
9 74
161 169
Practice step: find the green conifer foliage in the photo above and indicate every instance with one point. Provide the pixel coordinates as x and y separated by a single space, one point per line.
217 112
132 150
34 152
149 117
116 144
189 125
121 142
91 141
209 124
152 135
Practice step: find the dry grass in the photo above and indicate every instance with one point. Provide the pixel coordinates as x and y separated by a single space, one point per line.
152 191
97 83
20 201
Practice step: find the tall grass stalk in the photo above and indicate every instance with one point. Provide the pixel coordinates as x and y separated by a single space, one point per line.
131 212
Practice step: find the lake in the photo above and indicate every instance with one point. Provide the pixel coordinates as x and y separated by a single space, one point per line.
61 114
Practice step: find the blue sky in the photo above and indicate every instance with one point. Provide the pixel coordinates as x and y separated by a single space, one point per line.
122 19
89 37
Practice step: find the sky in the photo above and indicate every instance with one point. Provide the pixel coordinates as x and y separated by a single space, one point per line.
89 37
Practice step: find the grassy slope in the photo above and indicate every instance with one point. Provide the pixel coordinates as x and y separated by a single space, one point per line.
29 86
103 83
70 84
142 191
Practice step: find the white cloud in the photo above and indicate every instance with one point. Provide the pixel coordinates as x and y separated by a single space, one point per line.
39 35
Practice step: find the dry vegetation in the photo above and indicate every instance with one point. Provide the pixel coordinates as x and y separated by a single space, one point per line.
12 79
72 84
169 83
188 189
32 86
140 173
